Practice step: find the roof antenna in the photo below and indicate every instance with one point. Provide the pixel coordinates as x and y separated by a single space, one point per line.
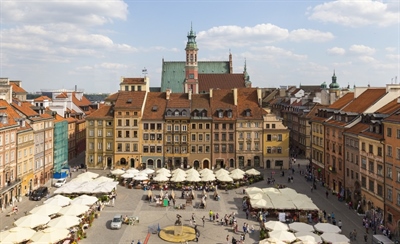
144 71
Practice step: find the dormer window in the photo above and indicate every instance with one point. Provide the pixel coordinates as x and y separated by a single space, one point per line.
184 113
195 113
229 112
169 112
248 112
204 113
176 113
220 113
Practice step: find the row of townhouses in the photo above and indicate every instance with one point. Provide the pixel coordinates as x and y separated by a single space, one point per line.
37 138
221 128
352 142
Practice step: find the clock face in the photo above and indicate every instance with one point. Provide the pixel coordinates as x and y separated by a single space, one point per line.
191 76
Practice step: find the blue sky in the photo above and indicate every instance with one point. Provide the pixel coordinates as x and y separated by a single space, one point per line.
53 44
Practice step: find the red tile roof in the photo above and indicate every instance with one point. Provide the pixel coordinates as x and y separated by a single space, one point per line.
221 81
178 100
16 88
390 108
130 100
202 102
25 108
12 115
394 118
155 106
42 98
82 102
357 128
248 99
105 112
133 81
222 99
365 100
62 95
343 101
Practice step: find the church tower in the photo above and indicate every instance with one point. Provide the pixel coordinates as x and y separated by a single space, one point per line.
191 69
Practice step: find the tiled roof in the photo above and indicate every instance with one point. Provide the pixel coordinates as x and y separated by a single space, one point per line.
155 106
178 100
133 81
12 115
314 110
223 99
221 81
201 101
247 99
59 118
17 89
335 123
71 120
173 72
357 128
105 112
112 97
372 135
130 100
343 101
42 98
365 100
80 103
25 108
394 118
390 108
62 95
295 91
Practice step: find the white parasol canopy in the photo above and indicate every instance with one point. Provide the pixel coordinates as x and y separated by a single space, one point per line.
250 190
221 170
127 175
46 209
58 200
132 171
177 171
207 177
88 174
65 221
308 236
256 196
236 175
74 210
301 227
161 177
205 170
305 205
165 173
141 176
272 241
289 192
178 177
50 235
148 171
253 172
260 203
282 235
238 171
327 228
193 178
334 238
224 178
275 225
87 187
105 187
163 170
117 171
270 190
16 235
102 179
81 179
32 220
69 187
192 171
85 200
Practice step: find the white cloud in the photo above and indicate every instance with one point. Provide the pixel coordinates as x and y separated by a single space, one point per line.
366 59
361 50
336 51
357 13
273 53
112 66
390 49
310 35
394 57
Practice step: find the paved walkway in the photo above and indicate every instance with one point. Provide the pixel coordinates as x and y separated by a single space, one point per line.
132 202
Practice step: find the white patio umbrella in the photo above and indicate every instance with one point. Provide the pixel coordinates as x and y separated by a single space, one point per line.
260 203
288 192
221 170
141 177
305 205
163 170
85 200
65 221
224 178
88 174
238 171
160 178
132 171
117 171
272 241
68 188
58 200
252 172
236 175
207 177
87 187
301 227
177 170
282 235
127 175
148 171
165 173
192 171
81 179
105 187
256 196
193 178
16 235
334 238
327 228
308 236
275 225
103 179
32 220
306 242
250 190
74 210
178 177
205 170
45 209
301 197
269 190
50 235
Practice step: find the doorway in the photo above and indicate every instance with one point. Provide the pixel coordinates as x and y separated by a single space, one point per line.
206 164
196 164
132 163
109 162
268 164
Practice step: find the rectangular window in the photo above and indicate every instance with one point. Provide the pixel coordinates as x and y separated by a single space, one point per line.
371 166
371 185
127 122
145 126
193 137
119 147
398 133
363 182
230 136
389 194
379 170
389 151
380 190
127 147
207 137
108 145
200 137
389 172
269 137
389 132
363 163
207 126
216 148
279 137
398 199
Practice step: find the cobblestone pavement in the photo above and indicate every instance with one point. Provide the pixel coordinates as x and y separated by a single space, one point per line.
132 202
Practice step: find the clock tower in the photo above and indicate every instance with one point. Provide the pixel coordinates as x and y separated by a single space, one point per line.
191 69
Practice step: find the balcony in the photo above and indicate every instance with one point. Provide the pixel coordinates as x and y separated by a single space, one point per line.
10 185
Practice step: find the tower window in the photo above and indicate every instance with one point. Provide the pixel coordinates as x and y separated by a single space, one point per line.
191 76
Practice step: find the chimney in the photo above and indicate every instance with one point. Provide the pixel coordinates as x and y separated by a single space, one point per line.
168 93
235 96
259 96
211 90
76 88
190 94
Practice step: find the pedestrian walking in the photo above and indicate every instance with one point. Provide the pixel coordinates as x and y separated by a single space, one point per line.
204 220
366 237
211 214
227 239
326 193
247 213
339 224
312 188
193 216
